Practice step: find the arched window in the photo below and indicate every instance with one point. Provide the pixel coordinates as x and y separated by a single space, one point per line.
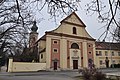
74 46
74 30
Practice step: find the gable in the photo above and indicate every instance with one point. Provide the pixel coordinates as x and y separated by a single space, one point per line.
73 19
67 25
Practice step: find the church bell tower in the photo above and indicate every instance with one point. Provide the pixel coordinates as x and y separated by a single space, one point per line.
33 35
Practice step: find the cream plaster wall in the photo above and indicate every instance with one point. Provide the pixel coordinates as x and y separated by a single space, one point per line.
42 44
68 29
63 53
48 52
25 66
85 61
10 65
43 60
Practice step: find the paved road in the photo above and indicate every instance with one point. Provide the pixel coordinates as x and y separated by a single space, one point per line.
43 77
60 75
40 76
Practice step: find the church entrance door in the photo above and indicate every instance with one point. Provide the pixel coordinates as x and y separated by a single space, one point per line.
75 64
55 65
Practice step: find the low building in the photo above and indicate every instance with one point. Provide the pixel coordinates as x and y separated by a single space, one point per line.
107 50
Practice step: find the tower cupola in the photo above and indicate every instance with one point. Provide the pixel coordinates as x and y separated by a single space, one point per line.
34 28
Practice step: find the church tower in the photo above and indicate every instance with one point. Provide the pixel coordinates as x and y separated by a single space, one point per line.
33 35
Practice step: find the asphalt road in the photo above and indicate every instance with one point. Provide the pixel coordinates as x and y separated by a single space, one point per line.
50 75
40 76
43 77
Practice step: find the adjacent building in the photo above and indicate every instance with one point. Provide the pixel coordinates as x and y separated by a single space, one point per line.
107 50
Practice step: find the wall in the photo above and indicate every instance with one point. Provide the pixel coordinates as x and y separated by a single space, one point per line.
25 66
42 60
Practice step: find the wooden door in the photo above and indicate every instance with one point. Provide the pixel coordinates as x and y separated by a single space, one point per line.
55 65
75 64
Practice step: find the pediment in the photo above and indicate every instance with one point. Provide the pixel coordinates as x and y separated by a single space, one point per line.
73 19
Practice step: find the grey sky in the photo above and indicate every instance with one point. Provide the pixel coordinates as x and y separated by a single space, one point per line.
93 27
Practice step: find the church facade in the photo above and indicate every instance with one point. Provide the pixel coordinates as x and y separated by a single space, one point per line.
67 47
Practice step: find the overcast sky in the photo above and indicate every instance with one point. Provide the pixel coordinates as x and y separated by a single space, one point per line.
93 27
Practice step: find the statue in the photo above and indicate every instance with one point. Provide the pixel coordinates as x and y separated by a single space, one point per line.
107 62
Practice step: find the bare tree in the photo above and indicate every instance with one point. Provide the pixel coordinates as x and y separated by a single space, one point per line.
14 26
16 16
108 13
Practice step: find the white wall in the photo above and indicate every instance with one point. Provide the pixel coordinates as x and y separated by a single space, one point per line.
25 66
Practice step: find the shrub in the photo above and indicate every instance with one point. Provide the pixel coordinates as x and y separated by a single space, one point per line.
118 65
99 76
92 74
115 65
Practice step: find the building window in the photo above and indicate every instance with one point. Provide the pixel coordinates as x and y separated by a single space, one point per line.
89 45
106 53
90 52
74 30
55 42
113 61
97 53
118 53
113 54
55 50
41 56
101 62
100 53
74 46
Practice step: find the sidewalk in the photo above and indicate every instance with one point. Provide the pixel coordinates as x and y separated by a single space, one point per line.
115 75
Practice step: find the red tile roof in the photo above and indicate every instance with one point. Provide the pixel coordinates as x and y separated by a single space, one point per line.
107 46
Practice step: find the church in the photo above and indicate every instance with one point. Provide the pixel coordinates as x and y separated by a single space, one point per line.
67 47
